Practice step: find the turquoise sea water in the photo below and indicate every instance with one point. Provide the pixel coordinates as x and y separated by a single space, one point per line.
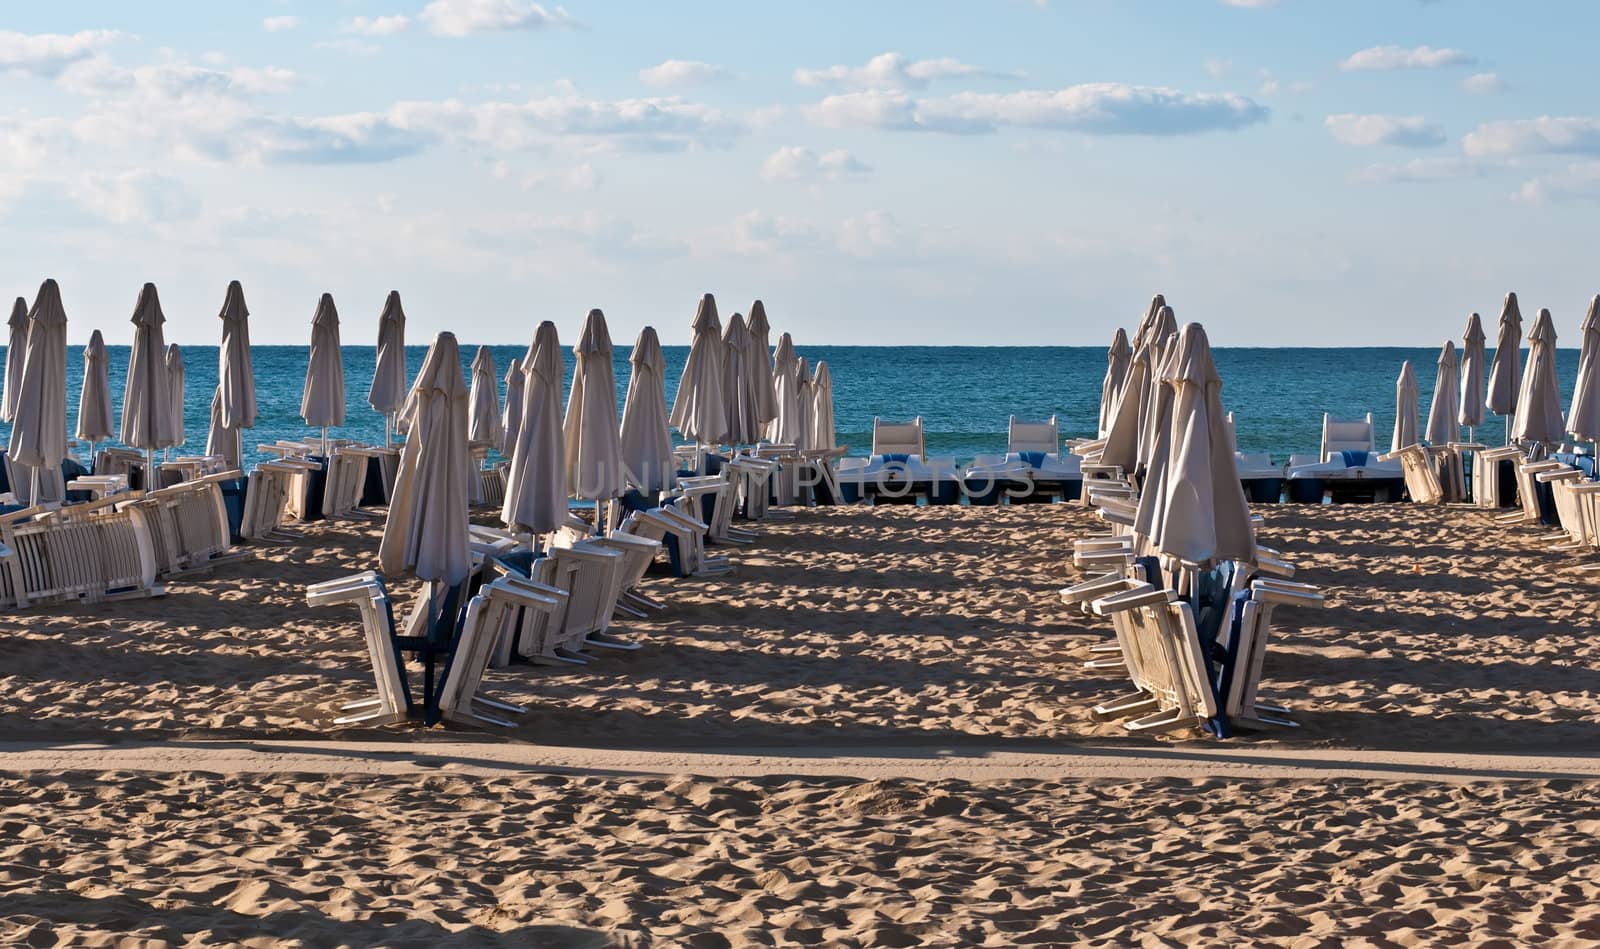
964 394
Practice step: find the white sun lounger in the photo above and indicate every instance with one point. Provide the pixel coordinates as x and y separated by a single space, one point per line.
1162 651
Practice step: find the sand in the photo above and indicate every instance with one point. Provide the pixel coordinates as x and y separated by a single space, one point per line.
902 638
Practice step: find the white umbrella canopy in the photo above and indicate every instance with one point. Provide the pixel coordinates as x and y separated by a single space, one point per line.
483 419
511 419
175 383
175 391
1162 341
147 422
536 488
646 438
1193 507
1117 359
785 428
95 423
804 385
39 425
16 349
823 435
1505 375
236 380
1442 426
1538 417
591 432
220 439
1583 418
697 410
322 402
761 364
1472 360
738 398
1406 410
426 530
388 390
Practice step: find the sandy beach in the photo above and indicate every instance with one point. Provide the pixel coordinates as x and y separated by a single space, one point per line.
877 633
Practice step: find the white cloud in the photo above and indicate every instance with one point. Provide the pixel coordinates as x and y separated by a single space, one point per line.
1581 180
377 25
1389 58
895 71
1408 131
47 54
278 24
1092 108
682 72
871 234
136 197
1550 135
798 163
1218 68
174 80
1483 84
575 180
351 45
1417 170
1250 4
464 17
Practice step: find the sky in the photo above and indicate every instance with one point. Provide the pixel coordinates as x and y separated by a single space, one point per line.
986 172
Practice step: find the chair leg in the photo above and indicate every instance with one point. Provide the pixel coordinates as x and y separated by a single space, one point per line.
1124 705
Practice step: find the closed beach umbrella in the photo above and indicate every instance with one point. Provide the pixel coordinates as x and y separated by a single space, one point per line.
1122 433
236 380
1505 375
39 424
1538 416
803 385
591 432
426 530
785 427
512 419
1583 419
175 384
388 390
1442 425
536 488
823 434
646 439
738 398
322 402
1406 411
1472 362
16 349
1193 507
220 439
697 411
94 400
1163 340
1117 359
483 420
147 422
761 364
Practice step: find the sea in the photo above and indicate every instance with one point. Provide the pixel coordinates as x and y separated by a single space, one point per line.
964 394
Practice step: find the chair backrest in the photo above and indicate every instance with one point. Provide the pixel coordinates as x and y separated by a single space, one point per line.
898 438
1034 436
1233 433
1338 436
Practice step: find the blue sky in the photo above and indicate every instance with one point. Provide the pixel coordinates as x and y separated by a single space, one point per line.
1328 172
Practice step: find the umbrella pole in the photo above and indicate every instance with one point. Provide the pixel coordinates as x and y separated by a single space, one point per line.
91 457
324 441
388 429
33 485
150 469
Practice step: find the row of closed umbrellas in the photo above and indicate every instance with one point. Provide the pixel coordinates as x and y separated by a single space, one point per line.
732 392
1526 395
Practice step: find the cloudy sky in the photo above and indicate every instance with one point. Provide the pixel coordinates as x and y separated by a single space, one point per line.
971 171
